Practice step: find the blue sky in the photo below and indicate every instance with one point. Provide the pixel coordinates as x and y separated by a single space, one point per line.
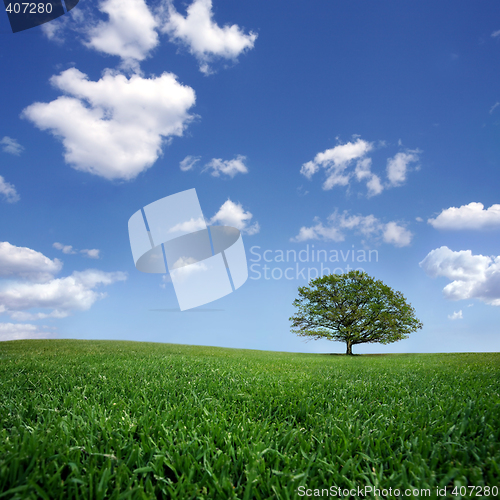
325 125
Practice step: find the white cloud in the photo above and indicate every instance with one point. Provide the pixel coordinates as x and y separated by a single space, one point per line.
368 226
336 160
187 269
309 169
374 186
129 30
184 261
11 146
363 169
319 231
67 249
18 331
494 107
23 262
456 315
91 253
189 226
419 219
54 30
114 128
227 167
495 34
398 166
203 37
130 33
471 216
77 20
8 191
363 172
232 214
472 276
397 235
60 296
188 162
460 265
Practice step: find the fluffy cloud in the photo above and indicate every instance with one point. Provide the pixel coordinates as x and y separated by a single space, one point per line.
189 226
185 268
374 186
456 315
8 191
319 231
92 253
398 166
61 296
472 276
232 214
363 172
336 162
68 249
129 33
396 235
462 265
495 34
471 216
18 331
368 226
11 146
23 262
55 29
188 162
31 285
227 167
203 37
114 128
363 169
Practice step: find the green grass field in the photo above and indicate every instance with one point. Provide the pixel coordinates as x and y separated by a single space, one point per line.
104 419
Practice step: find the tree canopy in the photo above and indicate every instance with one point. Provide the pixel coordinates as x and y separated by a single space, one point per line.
353 308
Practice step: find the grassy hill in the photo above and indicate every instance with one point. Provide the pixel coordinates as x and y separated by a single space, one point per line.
107 419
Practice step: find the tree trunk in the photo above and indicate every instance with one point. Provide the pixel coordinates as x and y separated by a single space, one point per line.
349 348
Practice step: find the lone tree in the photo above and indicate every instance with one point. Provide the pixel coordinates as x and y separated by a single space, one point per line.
353 308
